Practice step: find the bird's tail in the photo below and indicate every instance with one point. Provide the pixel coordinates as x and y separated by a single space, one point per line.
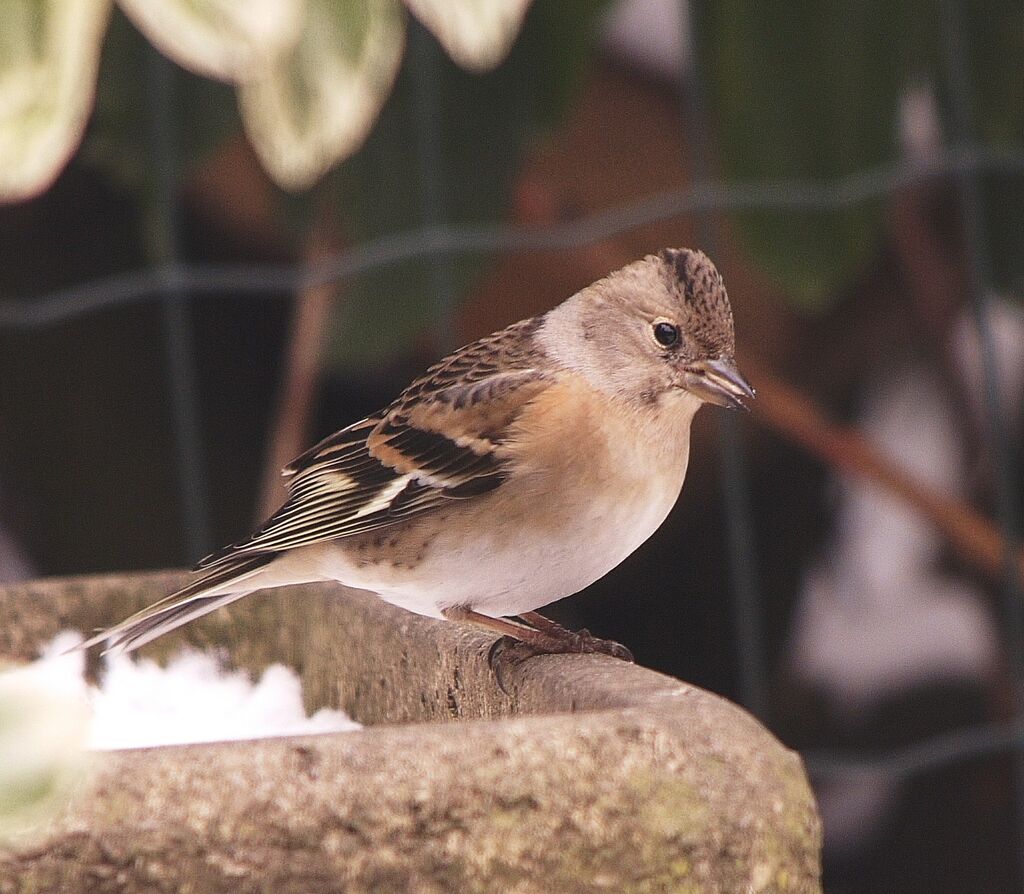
217 587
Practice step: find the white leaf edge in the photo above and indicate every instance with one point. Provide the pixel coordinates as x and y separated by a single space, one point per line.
477 34
229 40
344 105
58 89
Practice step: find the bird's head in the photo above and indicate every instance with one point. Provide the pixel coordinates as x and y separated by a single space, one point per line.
659 326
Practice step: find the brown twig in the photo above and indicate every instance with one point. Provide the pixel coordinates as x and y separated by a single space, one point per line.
975 539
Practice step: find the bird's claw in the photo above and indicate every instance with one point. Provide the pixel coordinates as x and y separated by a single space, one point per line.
509 652
506 654
584 642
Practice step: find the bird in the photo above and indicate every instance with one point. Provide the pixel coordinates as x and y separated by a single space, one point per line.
516 471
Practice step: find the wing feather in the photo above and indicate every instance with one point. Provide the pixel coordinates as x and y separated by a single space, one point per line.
443 439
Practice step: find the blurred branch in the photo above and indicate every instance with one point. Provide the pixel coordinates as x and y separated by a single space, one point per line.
49 57
292 420
974 538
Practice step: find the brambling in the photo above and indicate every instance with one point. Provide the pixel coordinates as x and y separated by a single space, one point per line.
513 473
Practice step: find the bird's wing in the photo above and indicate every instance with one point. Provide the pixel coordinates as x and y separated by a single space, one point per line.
443 439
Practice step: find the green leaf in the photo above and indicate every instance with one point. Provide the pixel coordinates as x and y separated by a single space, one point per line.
49 53
477 34
807 91
222 39
316 105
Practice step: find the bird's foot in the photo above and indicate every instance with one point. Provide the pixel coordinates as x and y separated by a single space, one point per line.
580 642
531 642
535 635
556 639
584 641
509 652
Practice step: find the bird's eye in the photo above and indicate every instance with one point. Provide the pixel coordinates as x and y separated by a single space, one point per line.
666 334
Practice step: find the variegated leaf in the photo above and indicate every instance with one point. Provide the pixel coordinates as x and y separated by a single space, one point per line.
476 33
316 105
49 54
224 39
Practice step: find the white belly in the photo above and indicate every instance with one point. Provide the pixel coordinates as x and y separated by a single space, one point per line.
544 570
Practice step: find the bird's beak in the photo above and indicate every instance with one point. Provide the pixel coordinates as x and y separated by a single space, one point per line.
717 382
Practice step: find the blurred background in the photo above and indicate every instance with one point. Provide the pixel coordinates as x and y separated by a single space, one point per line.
227 230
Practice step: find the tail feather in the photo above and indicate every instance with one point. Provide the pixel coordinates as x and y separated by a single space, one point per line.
218 587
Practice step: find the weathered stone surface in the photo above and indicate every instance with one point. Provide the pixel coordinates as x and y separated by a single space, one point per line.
587 775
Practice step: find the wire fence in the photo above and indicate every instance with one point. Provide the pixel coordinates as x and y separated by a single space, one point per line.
173 283
448 240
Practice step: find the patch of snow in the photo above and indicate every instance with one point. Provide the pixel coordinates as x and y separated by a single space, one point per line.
860 644
876 617
194 698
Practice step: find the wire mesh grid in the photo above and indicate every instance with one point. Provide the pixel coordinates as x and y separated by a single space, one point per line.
173 283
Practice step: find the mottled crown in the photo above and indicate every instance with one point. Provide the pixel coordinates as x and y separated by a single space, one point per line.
707 315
